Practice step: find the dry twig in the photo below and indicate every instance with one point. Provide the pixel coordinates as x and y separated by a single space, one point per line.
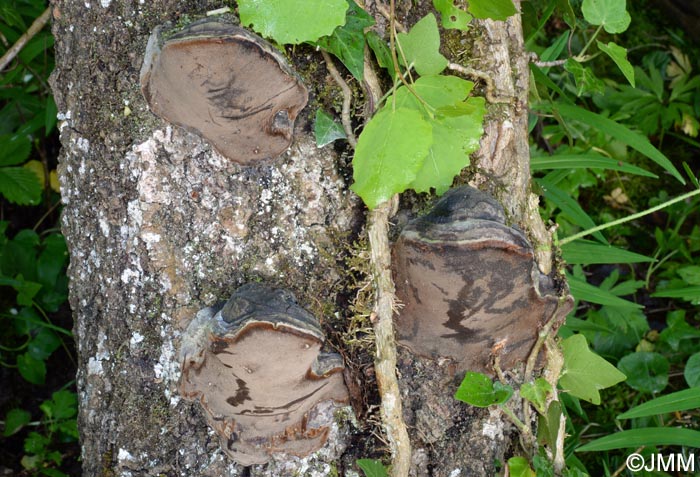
22 41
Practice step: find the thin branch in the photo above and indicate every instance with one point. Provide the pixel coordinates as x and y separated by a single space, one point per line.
491 95
35 28
385 362
347 98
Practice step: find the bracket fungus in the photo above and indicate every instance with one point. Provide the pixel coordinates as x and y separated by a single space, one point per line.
470 285
226 84
256 368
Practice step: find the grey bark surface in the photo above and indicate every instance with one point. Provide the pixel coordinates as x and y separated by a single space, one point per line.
160 225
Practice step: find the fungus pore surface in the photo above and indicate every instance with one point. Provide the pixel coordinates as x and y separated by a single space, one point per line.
226 84
470 286
256 368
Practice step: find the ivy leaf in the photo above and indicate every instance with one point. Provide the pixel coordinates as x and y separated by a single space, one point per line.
293 21
421 47
520 467
20 185
389 153
493 9
452 17
326 130
478 390
348 41
619 56
536 393
585 373
586 80
612 14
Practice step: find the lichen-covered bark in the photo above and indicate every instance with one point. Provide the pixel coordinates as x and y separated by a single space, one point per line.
160 225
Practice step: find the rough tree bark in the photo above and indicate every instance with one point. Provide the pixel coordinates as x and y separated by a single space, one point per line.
160 225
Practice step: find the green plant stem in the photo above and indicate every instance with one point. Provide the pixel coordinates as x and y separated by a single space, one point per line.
524 430
629 217
63 343
590 42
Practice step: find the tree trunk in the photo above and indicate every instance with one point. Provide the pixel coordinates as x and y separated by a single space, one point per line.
160 225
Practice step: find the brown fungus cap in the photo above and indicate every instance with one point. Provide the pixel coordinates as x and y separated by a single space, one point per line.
226 84
470 286
257 369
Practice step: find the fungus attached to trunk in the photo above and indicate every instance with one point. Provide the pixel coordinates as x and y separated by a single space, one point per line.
470 285
226 84
256 368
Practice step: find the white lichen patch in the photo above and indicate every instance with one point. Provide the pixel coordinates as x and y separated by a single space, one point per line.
493 426
102 354
136 338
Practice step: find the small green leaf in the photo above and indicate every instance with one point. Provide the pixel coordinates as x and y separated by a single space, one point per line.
592 294
690 274
585 252
35 443
372 468
390 151
326 130
585 373
536 393
612 14
20 185
348 41
15 420
381 52
646 372
31 369
478 390
569 206
586 80
15 149
421 47
653 436
43 344
62 405
493 9
451 16
619 56
520 467
691 294
674 402
691 373
293 21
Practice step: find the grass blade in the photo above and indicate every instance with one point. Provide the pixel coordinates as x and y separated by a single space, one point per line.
651 436
585 161
678 401
569 206
592 294
585 252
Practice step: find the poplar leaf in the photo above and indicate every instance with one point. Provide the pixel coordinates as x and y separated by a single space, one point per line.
619 56
389 153
421 47
293 21
493 9
451 16
612 14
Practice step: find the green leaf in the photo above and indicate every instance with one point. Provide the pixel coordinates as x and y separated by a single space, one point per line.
674 402
612 14
585 252
31 369
677 330
35 443
390 151
586 80
646 372
621 133
326 130
372 468
652 436
536 393
421 47
293 21
585 161
493 9
691 294
520 467
20 185
690 274
451 16
585 373
568 206
381 52
52 260
15 420
691 373
15 149
43 344
50 116
619 56
62 405
478 390
592 294
348 41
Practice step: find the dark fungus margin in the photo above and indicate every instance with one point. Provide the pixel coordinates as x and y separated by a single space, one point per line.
256 368
470 285
226 84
